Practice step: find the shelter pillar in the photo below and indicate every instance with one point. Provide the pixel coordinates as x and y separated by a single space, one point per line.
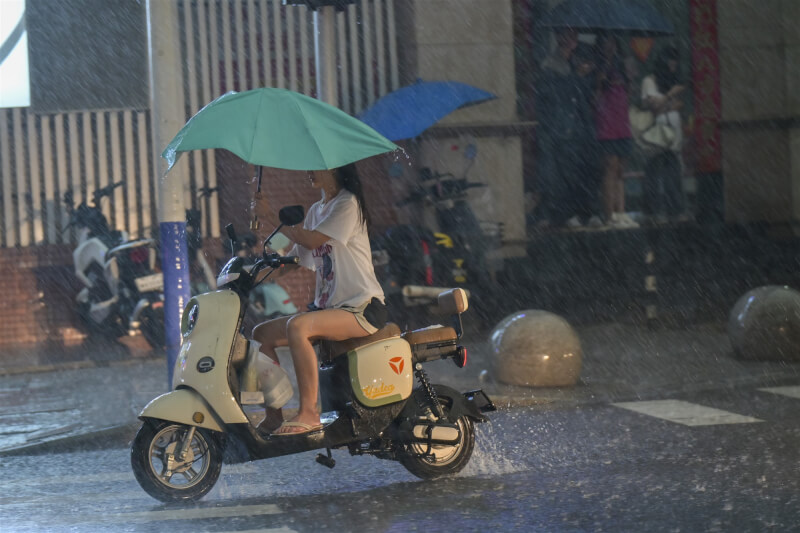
760 83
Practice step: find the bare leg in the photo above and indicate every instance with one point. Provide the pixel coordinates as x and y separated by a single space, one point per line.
610 185
333 324
271 334
620 185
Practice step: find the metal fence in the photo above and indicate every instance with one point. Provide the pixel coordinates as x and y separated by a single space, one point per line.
227 45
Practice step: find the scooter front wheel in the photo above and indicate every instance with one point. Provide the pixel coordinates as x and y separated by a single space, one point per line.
171 469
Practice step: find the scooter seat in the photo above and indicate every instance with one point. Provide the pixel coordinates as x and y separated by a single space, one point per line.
330 349
430 335
432 343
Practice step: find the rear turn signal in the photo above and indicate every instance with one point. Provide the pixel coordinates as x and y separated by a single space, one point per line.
460 358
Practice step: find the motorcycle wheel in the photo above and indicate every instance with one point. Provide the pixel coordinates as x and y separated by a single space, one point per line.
443 460
156 443
152 326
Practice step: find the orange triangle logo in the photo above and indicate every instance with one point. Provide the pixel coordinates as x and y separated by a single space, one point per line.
397 364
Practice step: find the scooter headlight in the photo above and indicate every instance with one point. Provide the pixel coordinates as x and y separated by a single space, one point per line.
189 319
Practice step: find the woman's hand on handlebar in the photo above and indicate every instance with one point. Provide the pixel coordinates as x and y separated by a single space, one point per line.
279 265
276 261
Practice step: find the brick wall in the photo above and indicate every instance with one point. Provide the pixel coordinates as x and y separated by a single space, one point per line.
38 287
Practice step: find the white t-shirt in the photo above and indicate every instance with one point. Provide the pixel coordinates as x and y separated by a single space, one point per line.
670 118
345 275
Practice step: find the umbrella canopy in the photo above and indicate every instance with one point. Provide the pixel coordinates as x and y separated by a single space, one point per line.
407 112
627 16
279 128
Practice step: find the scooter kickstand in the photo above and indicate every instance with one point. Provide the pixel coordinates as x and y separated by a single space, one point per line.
326 461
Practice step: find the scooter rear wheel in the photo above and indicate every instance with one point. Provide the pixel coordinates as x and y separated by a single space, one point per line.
160 471
443 460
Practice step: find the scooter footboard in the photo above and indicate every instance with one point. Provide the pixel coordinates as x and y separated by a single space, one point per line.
183 406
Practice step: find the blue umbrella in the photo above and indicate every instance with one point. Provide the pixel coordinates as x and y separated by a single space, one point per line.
407 112
628 16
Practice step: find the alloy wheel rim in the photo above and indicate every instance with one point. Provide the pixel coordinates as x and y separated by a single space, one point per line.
177 474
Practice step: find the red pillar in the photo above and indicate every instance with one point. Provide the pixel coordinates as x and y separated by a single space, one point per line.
705 80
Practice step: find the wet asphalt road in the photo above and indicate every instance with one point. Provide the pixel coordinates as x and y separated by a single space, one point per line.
596 467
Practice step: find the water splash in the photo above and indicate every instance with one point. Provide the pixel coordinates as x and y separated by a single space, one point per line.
491 456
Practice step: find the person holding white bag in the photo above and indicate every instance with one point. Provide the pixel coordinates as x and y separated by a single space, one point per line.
663 186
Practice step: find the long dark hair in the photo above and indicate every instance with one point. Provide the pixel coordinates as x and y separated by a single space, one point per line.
347 176
665 78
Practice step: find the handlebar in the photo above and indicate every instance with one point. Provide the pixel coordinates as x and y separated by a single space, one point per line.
276 261
106 191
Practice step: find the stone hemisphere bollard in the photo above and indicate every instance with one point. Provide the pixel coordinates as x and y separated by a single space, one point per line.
764 324
536 349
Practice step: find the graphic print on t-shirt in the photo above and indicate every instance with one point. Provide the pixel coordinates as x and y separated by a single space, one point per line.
325 273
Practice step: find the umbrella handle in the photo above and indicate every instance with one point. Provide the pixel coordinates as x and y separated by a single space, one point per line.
255 224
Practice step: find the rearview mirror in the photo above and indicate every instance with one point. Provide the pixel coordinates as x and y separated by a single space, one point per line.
291 215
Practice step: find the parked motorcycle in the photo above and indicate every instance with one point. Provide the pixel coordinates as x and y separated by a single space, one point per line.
415 262
369 403
123 292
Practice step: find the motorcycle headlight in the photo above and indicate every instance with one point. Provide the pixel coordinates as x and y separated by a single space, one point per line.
189 318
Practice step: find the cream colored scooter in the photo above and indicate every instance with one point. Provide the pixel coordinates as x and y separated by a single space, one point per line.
369 402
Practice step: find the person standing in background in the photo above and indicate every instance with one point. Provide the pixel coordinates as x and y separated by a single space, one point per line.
585 194
566 128
663 187
615 140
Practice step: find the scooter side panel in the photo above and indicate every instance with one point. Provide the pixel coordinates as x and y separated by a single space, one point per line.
381 372
91 250
202 364
180 406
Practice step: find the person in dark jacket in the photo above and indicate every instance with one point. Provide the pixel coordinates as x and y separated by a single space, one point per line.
565 135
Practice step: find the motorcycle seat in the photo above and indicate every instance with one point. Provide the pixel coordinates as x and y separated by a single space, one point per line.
432 342
328 350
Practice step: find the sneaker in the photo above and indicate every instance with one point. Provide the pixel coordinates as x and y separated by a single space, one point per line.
628 221
615 222
595 222
573 223
619 221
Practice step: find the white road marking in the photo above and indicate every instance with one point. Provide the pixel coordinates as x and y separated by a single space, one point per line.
178 514
688 414
791 392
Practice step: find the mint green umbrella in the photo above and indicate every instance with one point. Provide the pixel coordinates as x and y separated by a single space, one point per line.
279 128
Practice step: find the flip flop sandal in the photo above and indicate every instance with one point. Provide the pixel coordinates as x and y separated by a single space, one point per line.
307 428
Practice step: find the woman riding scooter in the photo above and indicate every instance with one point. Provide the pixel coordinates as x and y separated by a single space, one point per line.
348 302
